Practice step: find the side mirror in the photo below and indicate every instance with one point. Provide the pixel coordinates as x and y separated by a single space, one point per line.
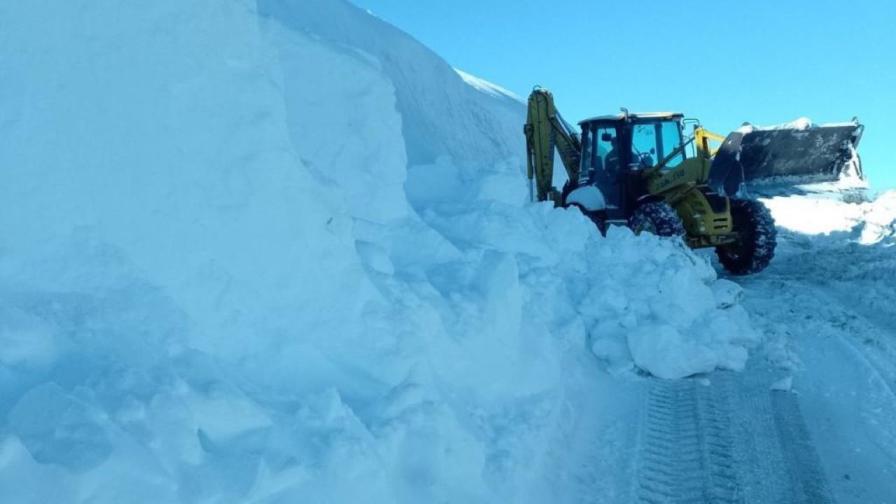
606 137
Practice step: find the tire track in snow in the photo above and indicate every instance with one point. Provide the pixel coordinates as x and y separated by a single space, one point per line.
730 442
686 446
807 481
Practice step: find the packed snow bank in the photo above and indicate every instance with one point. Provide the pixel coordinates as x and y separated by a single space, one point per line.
638 300
224 277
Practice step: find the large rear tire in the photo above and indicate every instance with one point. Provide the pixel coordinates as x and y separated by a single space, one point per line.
755 246
656 217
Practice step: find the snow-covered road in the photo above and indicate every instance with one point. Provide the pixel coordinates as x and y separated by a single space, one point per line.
727 438
809 420
825 306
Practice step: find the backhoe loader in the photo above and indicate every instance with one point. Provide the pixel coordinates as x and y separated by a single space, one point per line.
641 171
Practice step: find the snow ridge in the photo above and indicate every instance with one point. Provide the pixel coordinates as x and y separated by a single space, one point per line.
486 86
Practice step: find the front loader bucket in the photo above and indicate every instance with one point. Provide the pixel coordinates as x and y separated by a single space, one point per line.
785 156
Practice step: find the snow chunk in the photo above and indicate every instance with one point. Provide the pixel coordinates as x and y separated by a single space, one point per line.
784 384
667 353
59 428
26 340
727 293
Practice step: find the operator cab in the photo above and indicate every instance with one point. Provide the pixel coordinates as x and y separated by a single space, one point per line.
616 150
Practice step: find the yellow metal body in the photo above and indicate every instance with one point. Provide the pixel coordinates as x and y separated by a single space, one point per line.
684 188
546 131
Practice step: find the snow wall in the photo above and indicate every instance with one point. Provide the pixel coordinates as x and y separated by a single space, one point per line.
281 252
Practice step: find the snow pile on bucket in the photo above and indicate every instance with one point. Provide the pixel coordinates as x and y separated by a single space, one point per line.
282 254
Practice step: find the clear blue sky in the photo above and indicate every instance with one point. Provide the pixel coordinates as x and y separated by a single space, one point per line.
724 62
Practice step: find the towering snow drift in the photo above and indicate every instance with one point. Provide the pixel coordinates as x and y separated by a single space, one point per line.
281 252
441 114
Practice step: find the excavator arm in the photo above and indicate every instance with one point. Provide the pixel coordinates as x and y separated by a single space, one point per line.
547 132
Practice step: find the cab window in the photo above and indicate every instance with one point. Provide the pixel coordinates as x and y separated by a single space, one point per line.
670 140
644 144
652 142
602 152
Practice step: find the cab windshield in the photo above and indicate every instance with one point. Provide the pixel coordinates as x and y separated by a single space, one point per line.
653 141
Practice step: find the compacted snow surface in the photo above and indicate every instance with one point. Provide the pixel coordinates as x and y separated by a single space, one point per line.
281 252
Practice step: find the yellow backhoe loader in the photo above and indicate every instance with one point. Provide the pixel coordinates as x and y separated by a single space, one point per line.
642 171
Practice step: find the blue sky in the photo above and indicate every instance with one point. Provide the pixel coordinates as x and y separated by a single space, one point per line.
724 62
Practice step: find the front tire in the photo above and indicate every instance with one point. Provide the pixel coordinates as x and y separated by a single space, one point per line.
656 217
757 240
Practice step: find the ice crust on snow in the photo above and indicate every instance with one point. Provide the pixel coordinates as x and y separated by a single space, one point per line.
280 251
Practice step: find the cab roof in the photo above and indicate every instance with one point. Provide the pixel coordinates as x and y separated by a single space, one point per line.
635 116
